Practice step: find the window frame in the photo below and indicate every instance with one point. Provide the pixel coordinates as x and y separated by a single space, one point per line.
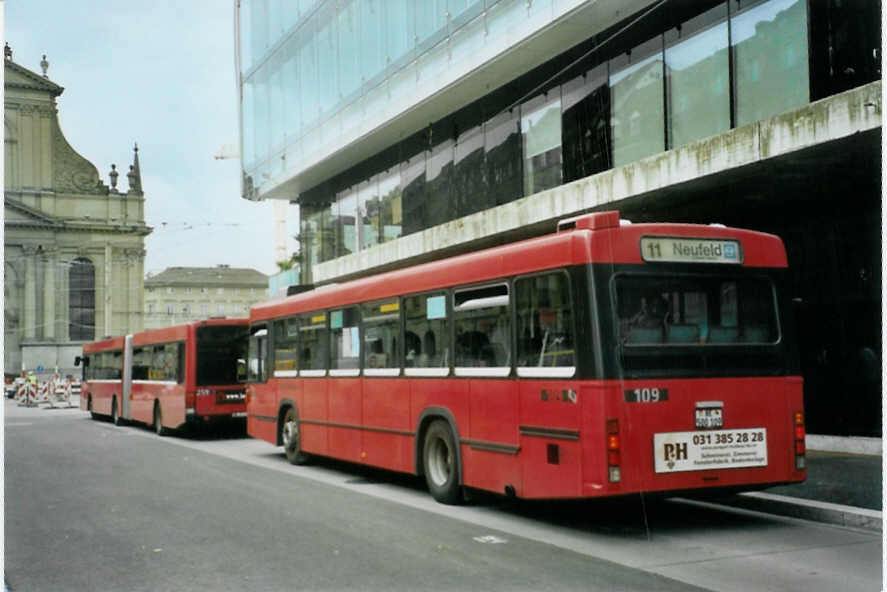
547 371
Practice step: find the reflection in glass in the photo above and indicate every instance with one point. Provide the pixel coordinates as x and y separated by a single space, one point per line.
439 173
697 72
502 154
770 57
412 175
368 214
347 222
638 118
469 191
586 125
541 131
391 207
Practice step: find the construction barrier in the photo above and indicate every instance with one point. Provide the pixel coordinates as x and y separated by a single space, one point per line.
55 393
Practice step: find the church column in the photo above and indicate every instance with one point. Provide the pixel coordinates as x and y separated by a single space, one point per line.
108 301
30 308
63 329
49 295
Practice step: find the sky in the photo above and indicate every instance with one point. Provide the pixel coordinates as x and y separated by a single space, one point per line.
160 74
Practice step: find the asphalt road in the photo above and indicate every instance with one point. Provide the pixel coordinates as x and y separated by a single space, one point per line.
89 506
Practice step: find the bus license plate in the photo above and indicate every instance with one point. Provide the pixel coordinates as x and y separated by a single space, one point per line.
709 418
715 449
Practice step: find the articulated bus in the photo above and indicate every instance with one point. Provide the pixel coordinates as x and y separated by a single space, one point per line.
607 359
167 377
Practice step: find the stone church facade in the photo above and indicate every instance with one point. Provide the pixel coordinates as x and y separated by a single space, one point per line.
74 246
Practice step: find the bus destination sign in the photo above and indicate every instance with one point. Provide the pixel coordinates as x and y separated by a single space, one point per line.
671 249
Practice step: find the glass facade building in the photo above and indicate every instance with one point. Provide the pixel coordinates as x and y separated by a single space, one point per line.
308 69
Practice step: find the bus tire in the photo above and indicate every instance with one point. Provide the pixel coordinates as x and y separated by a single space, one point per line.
158 421
115 413
292 442
440 461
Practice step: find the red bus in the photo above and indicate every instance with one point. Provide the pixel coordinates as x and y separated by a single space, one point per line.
167 377
606 359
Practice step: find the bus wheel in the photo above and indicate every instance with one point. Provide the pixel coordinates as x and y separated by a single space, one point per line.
440 462
292 443
115 414
158 421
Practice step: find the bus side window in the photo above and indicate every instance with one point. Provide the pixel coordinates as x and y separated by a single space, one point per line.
483 332
258 344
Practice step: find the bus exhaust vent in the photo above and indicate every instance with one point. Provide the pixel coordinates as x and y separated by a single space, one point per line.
595 221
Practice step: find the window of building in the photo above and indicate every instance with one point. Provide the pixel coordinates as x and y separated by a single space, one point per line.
204 290
81 300
502 156
220 290
170 290
412 178
368 213
541 133
586 125
470 192
170 308
220 309
770 56
390 205
344 223
697 78
636 100
439 207
186 309
188 290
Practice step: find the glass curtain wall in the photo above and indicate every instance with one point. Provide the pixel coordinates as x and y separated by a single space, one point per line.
770 53
697 76
743 60
541 131
637 109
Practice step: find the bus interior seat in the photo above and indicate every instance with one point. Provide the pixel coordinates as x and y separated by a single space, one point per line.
683 334
721 334
645 335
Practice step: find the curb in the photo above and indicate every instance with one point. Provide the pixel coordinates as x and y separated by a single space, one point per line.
849 444
808 510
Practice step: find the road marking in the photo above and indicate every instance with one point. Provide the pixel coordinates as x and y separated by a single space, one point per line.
490 539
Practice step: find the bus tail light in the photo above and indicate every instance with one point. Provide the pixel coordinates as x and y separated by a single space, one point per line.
800 441
614 460
190 402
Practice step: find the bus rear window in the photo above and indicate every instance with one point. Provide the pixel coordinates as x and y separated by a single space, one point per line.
219 351
695 310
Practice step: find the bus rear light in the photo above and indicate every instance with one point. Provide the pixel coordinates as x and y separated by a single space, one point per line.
800 441
614 459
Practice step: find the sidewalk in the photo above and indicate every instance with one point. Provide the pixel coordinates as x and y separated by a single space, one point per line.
844 485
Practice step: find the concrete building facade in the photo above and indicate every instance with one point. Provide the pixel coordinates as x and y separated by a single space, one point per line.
74 247
183 294
411 131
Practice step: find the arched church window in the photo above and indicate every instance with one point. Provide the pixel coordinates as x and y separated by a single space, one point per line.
81 296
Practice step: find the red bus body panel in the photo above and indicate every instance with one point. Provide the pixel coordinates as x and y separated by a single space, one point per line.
539 437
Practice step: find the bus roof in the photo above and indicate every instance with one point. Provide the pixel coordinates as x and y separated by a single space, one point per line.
161 335
593 238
